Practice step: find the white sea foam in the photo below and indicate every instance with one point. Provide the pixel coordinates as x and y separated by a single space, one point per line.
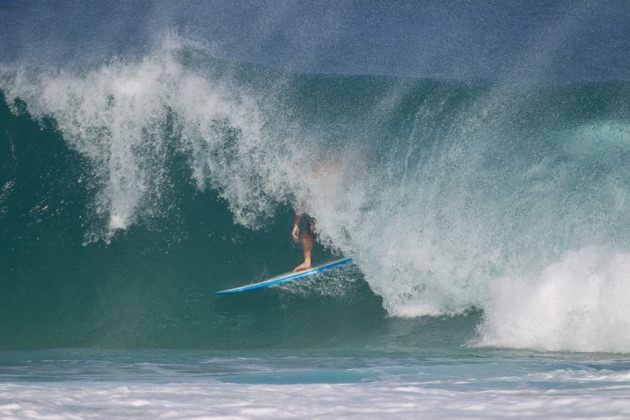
432 224
231 401
581 303
116 115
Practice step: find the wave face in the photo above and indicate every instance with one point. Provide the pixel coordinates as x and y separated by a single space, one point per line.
133 188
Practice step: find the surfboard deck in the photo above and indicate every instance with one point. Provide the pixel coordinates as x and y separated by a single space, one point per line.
286 277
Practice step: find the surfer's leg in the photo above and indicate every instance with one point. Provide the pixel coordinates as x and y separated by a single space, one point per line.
307 246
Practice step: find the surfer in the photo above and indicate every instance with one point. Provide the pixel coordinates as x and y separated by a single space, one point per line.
325 180
307 239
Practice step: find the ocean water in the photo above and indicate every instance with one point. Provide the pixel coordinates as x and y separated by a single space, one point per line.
263 384
488 219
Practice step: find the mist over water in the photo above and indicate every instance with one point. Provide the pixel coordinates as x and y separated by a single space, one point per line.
499 208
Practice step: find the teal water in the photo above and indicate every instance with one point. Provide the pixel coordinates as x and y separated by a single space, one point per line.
471 384
132 190
488 222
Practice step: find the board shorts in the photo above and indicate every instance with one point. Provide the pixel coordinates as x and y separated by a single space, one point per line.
310 227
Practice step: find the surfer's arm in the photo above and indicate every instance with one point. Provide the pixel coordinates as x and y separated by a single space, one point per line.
295 233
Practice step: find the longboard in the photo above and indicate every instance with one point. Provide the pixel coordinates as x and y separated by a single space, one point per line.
287 277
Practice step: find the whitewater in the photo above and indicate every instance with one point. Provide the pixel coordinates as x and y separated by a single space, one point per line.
488 221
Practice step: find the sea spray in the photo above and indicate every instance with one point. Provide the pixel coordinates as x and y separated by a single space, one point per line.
444 193
116 115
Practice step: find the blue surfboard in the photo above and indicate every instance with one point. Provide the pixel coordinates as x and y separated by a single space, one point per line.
287 277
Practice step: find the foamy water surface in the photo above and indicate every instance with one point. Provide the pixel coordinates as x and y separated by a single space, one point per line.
191 385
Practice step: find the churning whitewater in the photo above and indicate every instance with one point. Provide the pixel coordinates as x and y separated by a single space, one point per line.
470 157
503 206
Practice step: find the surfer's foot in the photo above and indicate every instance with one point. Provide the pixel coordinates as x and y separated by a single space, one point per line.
304 266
